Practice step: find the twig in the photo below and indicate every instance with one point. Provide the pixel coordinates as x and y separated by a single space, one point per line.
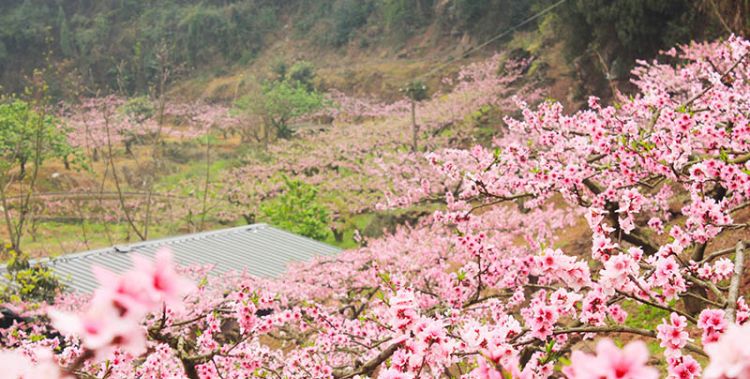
369 367
703 299
719 296
654 304
699 95
79 362
740 207
622 329
717 254
120 196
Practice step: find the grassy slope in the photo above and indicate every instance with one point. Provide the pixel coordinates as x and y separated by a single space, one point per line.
378 71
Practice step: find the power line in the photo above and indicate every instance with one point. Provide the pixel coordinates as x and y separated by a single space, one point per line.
491 40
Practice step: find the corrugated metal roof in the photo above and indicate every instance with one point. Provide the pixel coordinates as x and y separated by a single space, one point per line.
259 249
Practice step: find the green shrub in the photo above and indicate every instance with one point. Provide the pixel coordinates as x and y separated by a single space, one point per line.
297 210
416 90
278 103
27 136
303 73
27 282
139 109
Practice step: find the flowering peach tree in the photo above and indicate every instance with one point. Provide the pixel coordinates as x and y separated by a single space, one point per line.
549 244
365 153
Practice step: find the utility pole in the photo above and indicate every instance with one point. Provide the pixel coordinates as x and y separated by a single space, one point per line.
416 91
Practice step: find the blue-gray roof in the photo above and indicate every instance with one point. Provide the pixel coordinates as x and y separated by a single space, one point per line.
259 249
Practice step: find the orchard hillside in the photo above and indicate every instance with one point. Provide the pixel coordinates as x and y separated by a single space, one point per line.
521 189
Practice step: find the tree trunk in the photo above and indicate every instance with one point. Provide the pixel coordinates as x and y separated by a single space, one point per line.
338 235
266 134
22 173
249 218
414 127
129 146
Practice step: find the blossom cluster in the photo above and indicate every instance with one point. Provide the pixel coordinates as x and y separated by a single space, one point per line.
549 241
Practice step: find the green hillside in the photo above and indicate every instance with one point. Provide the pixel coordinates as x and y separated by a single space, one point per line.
124 46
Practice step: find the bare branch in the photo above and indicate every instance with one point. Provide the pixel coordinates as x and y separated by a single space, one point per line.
654 304
718 253
622 329
719 296
369 367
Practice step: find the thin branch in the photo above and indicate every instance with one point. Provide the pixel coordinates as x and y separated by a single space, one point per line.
703 299
498 200
369 367
740 207
709 285
699 95
79 362
654 304
120 197
622 329
717 254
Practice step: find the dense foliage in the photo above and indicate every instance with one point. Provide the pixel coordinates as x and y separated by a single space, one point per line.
298 210
122 46
483 288
116 43
24 281
27 134
280 102
604 38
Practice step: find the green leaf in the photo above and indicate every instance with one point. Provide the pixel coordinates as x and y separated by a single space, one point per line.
723 155
461 275
549 346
